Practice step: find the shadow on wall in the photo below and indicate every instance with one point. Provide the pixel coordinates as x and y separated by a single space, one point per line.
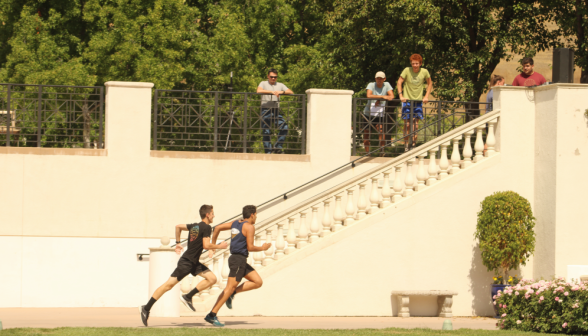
480 285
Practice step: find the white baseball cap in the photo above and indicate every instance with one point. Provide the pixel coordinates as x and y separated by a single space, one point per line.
380 74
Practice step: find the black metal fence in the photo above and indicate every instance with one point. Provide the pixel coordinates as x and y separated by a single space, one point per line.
214 121
377 122
51 116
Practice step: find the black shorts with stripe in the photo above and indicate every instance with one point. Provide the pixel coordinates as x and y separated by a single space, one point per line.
187 266
238 267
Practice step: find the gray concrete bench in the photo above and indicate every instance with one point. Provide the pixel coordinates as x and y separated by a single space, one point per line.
444 300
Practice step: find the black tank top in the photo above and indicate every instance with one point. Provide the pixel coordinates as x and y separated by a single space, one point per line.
238 240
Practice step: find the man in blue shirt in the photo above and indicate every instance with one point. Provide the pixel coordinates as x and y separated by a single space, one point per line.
373 114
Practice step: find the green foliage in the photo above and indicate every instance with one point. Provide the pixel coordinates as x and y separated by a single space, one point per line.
545 306
505 231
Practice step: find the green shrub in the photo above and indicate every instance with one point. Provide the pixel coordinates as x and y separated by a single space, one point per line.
545 306
505 231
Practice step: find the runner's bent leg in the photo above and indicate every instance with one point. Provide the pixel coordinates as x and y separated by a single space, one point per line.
224 295
169 284
254 282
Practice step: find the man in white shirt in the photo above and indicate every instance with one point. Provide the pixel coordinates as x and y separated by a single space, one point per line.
270 112
374 111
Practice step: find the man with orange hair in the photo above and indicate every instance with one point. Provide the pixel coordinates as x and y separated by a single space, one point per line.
413 78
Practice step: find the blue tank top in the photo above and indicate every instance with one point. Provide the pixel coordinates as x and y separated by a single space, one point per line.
238 240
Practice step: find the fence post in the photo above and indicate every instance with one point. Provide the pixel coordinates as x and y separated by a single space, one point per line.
101 122
39 107
245 124
439 124
303 149
155 98
353 125
8 118
214 149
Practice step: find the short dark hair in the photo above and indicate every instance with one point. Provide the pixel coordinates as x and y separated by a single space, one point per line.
249 210
272 70
204 210
527 60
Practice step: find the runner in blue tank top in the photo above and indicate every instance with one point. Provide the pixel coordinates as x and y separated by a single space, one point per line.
242 233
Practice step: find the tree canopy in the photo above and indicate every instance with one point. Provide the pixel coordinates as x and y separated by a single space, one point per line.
195 44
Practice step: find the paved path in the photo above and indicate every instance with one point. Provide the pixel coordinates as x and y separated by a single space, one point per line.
129 317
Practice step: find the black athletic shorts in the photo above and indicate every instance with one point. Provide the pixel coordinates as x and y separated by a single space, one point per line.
238 267
186 266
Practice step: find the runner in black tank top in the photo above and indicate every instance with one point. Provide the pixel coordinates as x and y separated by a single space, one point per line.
242 233
189 263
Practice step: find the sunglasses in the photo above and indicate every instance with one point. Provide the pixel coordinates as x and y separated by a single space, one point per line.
273 77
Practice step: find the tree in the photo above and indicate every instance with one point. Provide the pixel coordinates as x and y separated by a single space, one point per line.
571 18
462 41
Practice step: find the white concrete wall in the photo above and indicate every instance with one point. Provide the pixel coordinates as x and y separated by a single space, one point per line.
115 202
73 272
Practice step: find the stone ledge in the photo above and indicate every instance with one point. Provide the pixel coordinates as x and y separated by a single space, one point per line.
137 85
330 92
424 292
230 156
53 151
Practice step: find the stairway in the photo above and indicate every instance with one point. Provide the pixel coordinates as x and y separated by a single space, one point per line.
352 206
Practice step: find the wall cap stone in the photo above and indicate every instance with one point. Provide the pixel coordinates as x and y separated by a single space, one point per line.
423 292
138 85
330 92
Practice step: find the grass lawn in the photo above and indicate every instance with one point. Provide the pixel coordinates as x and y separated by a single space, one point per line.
246 332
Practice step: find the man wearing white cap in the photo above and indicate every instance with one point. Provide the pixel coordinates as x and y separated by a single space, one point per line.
374 111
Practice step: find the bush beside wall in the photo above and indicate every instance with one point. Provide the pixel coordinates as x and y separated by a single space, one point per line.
546 306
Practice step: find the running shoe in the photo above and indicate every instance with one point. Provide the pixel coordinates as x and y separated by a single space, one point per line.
187 302
144 315
230 301
214 321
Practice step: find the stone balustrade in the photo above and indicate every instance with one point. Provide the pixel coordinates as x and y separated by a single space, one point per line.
330 213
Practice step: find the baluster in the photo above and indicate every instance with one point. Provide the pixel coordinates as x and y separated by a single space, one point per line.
215 287
280 242
269 253
491 139
291 236
380 198
443 162
327 219
258 256
339 216
361 201
432 167
467 150
225 270
315 228
398 185
386 193
302 238
350 209
455 157
194 282
479 145
409 178
421 173
374 197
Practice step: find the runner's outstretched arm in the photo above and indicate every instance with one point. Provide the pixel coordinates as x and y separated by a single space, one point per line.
217 230
249 231
179 229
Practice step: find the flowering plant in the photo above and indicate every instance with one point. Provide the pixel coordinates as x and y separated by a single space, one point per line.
505 232
546 306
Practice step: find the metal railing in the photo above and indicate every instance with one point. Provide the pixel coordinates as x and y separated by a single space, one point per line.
375 125
214 121
51 116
